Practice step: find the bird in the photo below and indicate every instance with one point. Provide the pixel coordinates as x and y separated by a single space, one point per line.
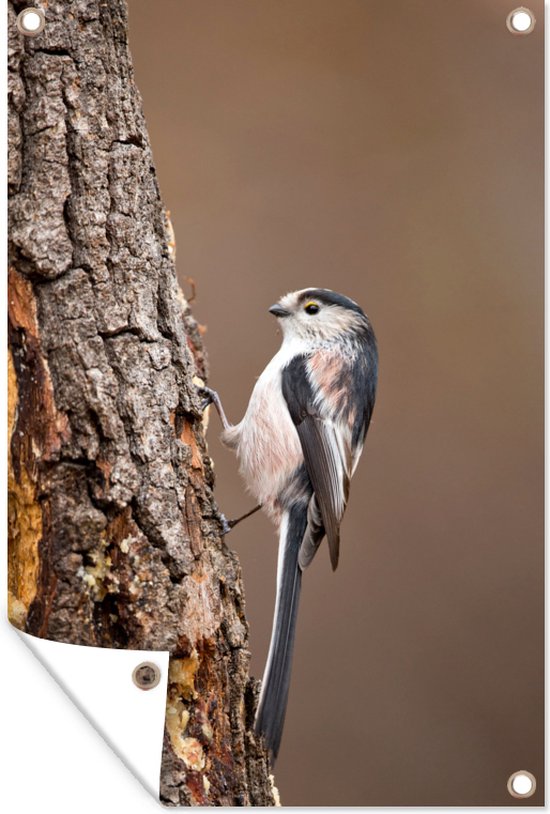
298 446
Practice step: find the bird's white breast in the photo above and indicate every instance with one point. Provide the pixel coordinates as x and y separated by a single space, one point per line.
266 441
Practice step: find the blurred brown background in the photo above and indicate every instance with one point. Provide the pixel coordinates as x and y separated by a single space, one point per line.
392 151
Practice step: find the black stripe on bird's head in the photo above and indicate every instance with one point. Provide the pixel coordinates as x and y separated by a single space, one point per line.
328 297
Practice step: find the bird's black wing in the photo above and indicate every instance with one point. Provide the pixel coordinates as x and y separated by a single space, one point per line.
327 457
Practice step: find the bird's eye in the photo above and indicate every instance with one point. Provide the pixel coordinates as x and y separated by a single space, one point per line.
311 308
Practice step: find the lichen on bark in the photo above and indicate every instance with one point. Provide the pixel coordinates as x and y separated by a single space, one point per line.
115 539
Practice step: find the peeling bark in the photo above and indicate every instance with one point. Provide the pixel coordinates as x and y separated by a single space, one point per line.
115 540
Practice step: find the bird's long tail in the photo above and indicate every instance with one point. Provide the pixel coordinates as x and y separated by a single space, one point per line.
270 716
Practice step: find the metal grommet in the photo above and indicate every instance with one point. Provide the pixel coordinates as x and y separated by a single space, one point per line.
146 675
31 21
522 784
521 21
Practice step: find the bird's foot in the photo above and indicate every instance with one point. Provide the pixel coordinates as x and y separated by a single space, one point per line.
226 524
211 397
208 396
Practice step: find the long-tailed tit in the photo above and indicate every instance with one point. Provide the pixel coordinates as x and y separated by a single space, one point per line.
298 446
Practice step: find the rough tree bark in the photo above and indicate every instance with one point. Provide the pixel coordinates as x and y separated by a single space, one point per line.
115 537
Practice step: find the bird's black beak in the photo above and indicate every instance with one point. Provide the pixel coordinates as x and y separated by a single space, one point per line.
278 311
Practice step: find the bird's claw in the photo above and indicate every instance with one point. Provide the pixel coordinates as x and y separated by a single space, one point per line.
226 524
207 397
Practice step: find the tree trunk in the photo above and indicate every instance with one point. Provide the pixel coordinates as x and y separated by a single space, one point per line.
115 537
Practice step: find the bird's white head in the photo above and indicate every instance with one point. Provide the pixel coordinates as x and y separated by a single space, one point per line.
318 315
